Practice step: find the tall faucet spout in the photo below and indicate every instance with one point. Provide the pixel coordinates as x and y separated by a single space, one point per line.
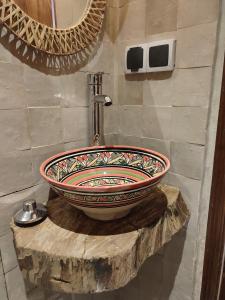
97 102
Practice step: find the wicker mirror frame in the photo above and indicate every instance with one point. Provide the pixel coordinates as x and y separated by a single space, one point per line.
54 41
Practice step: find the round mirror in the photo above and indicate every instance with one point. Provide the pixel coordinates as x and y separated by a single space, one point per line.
55 13
57 27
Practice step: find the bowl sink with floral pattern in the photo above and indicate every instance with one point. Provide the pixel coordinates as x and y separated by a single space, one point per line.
105 182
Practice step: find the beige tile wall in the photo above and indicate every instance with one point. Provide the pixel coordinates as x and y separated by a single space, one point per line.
42 114
44 109
168 112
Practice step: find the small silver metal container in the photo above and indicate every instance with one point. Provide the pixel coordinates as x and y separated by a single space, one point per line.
30 214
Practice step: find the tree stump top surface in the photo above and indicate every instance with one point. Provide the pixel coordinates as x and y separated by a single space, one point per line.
70 252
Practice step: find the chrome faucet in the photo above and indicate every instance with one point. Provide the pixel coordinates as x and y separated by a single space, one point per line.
97 102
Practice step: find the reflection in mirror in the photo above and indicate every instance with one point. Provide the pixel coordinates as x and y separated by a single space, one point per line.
69 12
39 10
55 13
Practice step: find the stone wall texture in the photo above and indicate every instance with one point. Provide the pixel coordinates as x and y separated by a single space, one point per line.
44 110
173 113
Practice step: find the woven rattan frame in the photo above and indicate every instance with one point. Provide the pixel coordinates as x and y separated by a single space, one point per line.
54 41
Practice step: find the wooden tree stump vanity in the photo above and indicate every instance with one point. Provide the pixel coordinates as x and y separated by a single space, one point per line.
72 253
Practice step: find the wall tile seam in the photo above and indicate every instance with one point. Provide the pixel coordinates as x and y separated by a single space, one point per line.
9 62
76 147
144 40
171 106
81 71
11 269
17 150
44 107
92 72
128 105
15 109
197 180
150 37
150 106
187 143
176 68
46 146
2 268
157 139
77 140
195 144
4 280
125 4
143 137
75 107
67 141
109 5
212 84
188 177
6 61
1 260
110 133
190 106
19 191
29 129
150 138
4 234
193 67
135 136
72 107
199 24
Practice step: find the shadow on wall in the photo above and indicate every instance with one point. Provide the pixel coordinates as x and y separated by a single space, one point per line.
46 63
156 278
123 11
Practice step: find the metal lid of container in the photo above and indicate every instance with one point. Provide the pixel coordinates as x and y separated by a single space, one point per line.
31 213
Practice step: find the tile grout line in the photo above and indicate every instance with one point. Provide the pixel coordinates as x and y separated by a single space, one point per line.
7 295
13 268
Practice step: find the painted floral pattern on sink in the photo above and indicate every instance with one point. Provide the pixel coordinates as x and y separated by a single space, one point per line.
108 181
115 177
73 163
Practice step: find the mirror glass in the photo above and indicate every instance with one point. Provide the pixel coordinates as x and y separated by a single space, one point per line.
55 13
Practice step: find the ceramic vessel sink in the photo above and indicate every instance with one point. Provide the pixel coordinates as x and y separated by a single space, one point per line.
105 182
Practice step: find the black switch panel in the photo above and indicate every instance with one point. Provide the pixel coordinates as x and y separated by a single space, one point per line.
135 59
159 56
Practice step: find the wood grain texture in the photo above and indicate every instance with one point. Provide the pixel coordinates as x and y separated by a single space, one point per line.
215 239
71 253
39 10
